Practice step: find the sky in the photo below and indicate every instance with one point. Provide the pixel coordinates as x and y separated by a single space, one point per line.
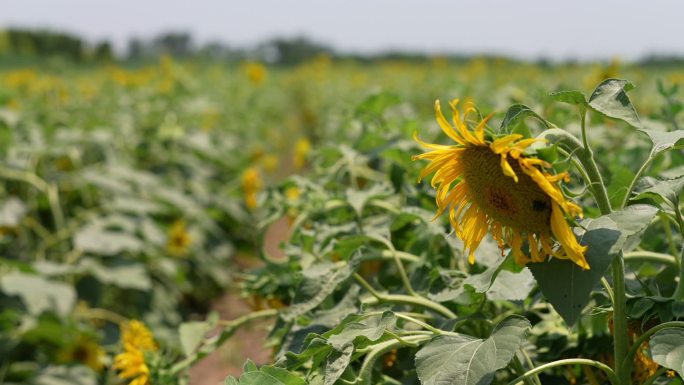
570 29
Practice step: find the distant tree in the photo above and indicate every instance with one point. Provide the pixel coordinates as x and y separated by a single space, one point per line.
177 44
135 49
295 50
103 52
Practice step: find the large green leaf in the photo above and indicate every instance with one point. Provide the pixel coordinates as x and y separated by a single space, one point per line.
38 293
464 360
566 285
667 349
610 98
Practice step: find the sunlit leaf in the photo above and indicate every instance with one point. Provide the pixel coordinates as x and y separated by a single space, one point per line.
610 98
667 349
464 360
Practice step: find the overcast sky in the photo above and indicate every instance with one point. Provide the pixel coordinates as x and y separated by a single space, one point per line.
584 29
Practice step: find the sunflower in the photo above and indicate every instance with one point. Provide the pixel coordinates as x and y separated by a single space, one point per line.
491 185
179 239
136 340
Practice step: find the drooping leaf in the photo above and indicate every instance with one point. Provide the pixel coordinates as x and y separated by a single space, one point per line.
566 285
337 363
464 360
667 349
610 98
517 112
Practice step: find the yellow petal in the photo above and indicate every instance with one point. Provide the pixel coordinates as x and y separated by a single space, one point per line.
562 232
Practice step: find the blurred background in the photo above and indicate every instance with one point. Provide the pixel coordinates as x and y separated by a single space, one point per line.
143 144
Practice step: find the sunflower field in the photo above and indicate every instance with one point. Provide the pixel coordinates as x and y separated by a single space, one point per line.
396 222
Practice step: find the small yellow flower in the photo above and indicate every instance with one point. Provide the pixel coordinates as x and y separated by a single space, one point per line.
255 72
301 153
136 340
84 350
251 185
292 193
270 162
179 239
490 185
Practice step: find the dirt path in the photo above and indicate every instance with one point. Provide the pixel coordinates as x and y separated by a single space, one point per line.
249 341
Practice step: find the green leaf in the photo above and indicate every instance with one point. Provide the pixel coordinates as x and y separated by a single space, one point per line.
511 286
464 360
266 375
664 140
368 328
337 363
375 105
320 280
610 98
99 237
38 293
566 285
571 97
667 349
192 334
479 283
632 221
359 198
517 112
133 276
661 191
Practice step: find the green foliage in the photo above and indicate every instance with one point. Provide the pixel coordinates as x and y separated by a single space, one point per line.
131 201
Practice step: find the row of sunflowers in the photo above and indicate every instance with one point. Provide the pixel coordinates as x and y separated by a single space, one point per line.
131 197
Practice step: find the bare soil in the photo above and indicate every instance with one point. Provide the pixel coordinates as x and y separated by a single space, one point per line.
249 342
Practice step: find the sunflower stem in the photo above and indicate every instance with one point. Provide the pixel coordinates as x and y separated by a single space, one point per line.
620 333
570 361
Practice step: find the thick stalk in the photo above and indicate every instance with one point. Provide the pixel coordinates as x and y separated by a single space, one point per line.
620 335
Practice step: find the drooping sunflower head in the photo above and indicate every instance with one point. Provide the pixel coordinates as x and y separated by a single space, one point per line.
490 184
